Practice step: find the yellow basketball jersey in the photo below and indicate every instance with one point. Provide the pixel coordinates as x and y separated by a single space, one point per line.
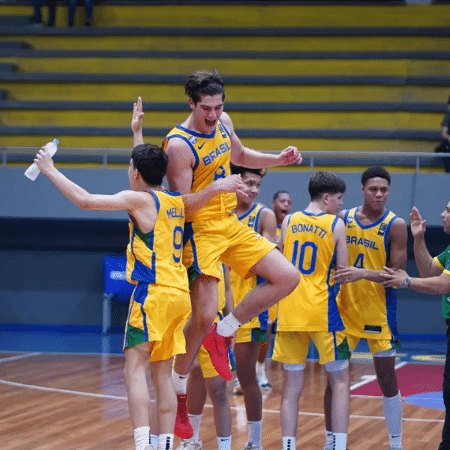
241 287
156 257
212 161
309 245
367 308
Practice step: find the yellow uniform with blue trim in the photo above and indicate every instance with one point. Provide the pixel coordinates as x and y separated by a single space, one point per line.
255 330
368 309
160 304
215 233
310 312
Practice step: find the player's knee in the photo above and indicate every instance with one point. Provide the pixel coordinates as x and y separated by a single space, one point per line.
203 320
289 280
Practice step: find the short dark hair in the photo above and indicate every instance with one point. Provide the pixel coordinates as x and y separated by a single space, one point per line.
375 172
151 162
278 193
325 183
239 170
202 82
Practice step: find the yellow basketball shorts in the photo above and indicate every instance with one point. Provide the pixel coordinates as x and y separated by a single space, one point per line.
375 345
244 335
157 315
291 347
228 240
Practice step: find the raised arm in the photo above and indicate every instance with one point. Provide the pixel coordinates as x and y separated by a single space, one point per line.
125 200
247 157
424 261
136 122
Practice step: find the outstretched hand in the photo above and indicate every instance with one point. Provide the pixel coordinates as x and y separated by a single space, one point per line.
44 161
393 277
418 225
138 114
290 155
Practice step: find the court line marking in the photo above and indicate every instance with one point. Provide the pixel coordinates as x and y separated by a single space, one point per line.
235 408
18 357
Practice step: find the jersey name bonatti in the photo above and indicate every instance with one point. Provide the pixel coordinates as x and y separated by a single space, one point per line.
309 228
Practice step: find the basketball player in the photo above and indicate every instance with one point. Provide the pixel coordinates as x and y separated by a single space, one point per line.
160 305
251 334
376 237
200 151
314 241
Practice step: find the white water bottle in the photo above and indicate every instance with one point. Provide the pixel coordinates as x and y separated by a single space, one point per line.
33 171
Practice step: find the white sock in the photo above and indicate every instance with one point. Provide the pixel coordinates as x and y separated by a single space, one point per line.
179 383
154 438
255 432
224 443
141 437
329 437
288 442
165 442
196 420
340 441
393 412
228 325
260 370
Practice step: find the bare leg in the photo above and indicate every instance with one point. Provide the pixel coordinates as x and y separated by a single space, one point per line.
281 279
292 389
340 400
136 363
217 390
166 398
246 356
196 388
204 300
386 376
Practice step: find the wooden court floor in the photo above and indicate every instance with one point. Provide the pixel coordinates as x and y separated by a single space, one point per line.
78 402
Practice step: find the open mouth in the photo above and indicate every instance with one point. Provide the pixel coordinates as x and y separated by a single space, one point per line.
210 123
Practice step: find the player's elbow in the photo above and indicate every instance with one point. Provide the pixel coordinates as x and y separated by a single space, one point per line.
86 202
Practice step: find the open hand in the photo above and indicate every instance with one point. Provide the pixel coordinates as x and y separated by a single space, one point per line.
138 114
418 225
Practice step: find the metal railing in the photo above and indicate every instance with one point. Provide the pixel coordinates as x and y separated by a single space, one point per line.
107 157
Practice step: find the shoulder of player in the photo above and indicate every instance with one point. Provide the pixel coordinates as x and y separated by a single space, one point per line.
268 217
398 228
226 120
342 213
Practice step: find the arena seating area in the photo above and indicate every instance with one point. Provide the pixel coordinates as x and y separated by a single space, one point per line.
368 77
